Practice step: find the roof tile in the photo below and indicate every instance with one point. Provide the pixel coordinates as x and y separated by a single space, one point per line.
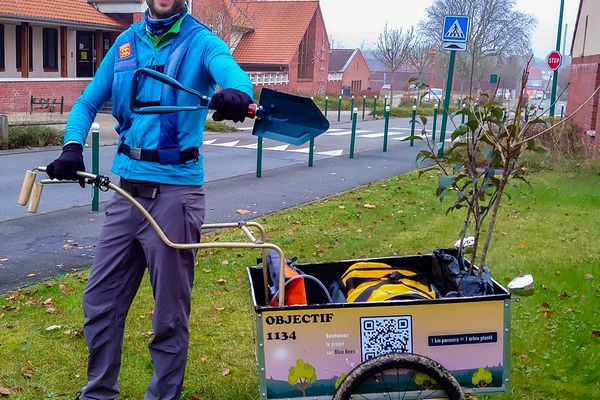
78 11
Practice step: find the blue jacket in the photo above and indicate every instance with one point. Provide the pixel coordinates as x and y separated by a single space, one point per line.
208 62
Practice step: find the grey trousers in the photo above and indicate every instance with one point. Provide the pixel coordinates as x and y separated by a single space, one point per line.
128 244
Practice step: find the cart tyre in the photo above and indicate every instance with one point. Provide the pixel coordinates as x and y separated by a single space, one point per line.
360 374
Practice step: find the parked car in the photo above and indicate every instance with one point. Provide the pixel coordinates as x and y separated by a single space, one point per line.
434 94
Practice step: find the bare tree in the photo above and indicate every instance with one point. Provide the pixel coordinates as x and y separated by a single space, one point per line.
392 49
334 43
497 30
420 58
227 19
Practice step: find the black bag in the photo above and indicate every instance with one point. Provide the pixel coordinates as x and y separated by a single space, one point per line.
452 277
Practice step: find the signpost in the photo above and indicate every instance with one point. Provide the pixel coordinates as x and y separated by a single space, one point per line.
556 60
454 38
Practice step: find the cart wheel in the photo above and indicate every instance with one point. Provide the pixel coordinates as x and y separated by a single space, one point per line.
399 376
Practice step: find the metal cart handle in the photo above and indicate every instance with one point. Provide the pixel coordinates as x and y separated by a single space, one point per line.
31 192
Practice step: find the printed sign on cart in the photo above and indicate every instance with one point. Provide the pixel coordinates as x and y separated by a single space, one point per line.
307 352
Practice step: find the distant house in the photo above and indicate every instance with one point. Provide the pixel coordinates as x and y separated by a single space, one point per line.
585 72
348 72
380 75
286 46
60 43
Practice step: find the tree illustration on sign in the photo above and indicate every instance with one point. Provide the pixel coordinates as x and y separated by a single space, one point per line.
482 377
302 376
339 380
424 381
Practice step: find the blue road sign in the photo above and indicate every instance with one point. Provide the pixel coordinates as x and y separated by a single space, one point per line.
456 28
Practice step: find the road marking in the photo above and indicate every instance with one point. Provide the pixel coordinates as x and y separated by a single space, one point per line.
379 135
278 148
345 133
335 130
211 141
227 144
252 146
245 128
305 150
334 153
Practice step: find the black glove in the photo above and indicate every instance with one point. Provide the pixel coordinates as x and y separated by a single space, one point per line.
230 104
67 164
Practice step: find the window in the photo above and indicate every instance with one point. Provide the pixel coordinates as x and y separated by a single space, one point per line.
304 62
50 49
1 47
18 47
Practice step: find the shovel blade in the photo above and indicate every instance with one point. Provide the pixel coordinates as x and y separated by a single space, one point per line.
288 118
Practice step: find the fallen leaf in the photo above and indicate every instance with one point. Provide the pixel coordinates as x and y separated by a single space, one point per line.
53 327
219 308
367 205
342 207
148 334
596 333
69 332
524 356
204 358
564 294
545 305
10 308
569 310
588 277
207 270
28 370
221 281
30 275
47 301
225 371
1 315
225 262
547 313
65 289
5 391
242 211
522 244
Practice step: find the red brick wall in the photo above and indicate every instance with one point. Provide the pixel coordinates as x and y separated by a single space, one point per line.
15 95
358 70
585 78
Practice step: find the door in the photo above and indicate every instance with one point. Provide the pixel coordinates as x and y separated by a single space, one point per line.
86 57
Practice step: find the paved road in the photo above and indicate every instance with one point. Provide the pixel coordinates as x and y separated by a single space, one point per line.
62 235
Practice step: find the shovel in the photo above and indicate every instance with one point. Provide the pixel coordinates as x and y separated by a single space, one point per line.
278 116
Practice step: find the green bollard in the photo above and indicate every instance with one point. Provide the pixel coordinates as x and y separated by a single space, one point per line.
386 124
339 107
562 111
95 164
385 102
326 104
412 124
435 114
354 114
311 152
374 106
351 106
462 119
259 157
364 103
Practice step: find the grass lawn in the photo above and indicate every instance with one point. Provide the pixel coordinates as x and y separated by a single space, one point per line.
550 230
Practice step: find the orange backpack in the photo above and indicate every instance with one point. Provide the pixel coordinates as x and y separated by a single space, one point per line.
295 291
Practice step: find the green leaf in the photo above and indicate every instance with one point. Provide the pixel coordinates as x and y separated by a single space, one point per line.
424 170
473 124
415 137
423 120
446 181
460 131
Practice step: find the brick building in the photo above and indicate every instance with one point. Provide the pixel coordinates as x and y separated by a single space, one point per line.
348 72
61 44
585 72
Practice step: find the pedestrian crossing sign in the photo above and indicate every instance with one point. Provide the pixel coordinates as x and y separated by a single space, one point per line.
456 28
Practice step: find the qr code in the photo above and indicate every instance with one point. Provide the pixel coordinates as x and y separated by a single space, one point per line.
383 335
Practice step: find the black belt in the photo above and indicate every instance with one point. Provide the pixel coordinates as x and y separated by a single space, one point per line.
154 155
147 190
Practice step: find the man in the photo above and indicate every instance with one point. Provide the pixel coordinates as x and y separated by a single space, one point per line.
159 164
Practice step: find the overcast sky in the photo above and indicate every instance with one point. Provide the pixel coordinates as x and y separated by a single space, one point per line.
354 22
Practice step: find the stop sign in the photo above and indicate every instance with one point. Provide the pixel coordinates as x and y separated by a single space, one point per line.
554 60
